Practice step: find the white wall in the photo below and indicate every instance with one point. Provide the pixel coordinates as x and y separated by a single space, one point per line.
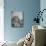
1 21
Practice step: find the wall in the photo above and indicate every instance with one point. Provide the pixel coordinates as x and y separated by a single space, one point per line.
1 21
29 7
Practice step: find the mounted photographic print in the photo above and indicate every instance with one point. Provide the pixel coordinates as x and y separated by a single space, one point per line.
17 19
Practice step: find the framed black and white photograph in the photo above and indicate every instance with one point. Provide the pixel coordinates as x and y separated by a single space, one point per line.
17 19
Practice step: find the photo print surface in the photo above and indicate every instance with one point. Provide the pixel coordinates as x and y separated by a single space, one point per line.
17 19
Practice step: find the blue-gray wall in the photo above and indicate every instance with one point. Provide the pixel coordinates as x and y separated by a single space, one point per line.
29 7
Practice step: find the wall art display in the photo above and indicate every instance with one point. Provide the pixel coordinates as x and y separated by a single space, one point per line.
17 19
